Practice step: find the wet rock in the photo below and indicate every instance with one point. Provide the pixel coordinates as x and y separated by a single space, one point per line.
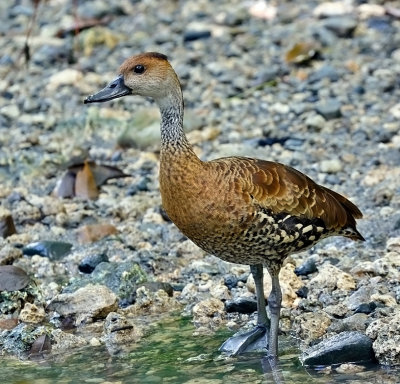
8 254
65 342
209 313
329 109
153 302
54 250
341 26
120 333
122 278
289 282
7 227
311 326
87 303
308 267
342 348
32 314
386 335
241 305
89 263
18 341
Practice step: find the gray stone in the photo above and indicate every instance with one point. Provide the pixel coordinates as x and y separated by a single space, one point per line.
329 109
342 348
342 26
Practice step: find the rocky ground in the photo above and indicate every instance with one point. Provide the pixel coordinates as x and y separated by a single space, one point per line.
311 84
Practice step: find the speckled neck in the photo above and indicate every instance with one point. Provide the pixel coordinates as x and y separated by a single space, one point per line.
173 138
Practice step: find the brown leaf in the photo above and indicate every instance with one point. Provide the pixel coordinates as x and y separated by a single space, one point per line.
101 172
301 53
40 346
7 227
8 323
85 184
91 233
80 25
12 278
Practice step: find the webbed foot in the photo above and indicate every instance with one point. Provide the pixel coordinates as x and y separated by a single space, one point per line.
254 340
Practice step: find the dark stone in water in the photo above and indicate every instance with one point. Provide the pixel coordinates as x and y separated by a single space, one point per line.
306 268
241 305
89 263
366 308
54 250
342 348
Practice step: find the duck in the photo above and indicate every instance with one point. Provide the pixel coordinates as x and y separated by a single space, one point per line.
240 209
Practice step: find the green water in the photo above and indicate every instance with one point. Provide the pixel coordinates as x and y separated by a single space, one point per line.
172 355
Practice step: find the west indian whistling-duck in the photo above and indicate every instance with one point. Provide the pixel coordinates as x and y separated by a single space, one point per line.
240 209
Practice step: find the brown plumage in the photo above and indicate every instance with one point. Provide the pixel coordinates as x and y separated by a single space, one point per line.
240 209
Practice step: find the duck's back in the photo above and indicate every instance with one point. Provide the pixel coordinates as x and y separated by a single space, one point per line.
252 211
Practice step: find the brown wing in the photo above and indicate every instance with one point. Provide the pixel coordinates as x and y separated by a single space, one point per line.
280 188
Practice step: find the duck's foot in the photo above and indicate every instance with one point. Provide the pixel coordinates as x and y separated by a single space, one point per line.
251 341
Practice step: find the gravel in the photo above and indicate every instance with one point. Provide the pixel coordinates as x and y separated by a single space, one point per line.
334 116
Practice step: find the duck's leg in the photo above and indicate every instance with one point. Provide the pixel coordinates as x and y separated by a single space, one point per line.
238 343
274 305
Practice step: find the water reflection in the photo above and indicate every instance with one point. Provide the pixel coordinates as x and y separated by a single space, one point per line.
171 355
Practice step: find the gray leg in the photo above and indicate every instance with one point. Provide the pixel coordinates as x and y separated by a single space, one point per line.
257 337
274 305
258 274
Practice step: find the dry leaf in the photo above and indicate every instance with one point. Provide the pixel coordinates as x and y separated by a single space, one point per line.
91 233
12 278
85 184
301 53
40 346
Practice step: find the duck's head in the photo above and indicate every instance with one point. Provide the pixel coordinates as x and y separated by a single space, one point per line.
148 74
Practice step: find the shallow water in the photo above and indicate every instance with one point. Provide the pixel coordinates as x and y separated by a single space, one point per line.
170 354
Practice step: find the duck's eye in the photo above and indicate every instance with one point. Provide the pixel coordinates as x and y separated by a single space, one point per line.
138 68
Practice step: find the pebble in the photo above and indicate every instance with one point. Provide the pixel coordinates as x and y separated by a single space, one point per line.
89 263
329 109
331 166
54 250
342 26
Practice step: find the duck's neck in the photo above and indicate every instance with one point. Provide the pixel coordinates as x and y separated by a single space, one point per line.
173 138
